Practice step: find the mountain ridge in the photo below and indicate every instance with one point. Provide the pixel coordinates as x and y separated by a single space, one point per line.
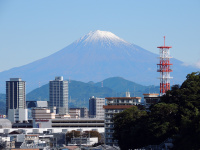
95 61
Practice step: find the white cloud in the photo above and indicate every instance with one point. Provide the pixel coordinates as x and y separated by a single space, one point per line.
185 64
197 64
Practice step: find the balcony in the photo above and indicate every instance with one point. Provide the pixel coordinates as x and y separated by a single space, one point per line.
109 125
109 131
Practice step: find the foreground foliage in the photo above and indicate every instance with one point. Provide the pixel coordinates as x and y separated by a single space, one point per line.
175 116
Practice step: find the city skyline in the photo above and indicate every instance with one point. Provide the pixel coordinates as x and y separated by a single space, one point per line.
31 30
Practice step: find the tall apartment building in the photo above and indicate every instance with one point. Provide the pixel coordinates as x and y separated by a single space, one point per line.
116 105
96 107
15 94
16 100
58 95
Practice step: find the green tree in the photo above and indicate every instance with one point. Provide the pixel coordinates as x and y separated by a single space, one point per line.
189 136
162 122
189 91
135 128
124 123
176 115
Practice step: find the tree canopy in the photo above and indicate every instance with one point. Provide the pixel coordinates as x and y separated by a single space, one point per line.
175 116
124 124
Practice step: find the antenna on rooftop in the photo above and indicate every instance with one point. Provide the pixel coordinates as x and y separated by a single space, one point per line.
149 89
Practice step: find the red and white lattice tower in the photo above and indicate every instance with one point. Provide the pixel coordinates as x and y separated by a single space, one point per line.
164 67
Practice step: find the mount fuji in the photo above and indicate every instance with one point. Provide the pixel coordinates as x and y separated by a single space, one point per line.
95 57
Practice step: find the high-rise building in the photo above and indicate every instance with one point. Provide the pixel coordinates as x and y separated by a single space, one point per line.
15 94
16 100
58 95
96 107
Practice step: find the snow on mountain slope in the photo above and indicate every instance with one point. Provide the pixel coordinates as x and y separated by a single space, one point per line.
104 37
95 57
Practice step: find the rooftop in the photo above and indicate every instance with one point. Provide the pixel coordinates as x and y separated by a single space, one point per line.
123 98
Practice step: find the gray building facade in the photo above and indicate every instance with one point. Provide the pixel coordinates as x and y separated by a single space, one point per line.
58 95
96 107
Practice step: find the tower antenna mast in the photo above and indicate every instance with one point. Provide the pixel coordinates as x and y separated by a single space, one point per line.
164 67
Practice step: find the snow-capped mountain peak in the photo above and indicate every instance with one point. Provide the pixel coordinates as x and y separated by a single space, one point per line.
101 36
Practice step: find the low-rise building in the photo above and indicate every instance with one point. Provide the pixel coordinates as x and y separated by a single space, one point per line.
5 142
33 104
83 112
83 141
78 123
151 98
42 113
42 117
74 112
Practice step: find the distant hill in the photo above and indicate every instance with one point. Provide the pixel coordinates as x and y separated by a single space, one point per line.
2 104
119 84
2 97
39 94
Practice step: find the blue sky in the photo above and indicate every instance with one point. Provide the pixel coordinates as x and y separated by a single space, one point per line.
33 29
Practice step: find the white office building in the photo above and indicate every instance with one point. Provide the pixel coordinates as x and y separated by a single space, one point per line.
18 115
